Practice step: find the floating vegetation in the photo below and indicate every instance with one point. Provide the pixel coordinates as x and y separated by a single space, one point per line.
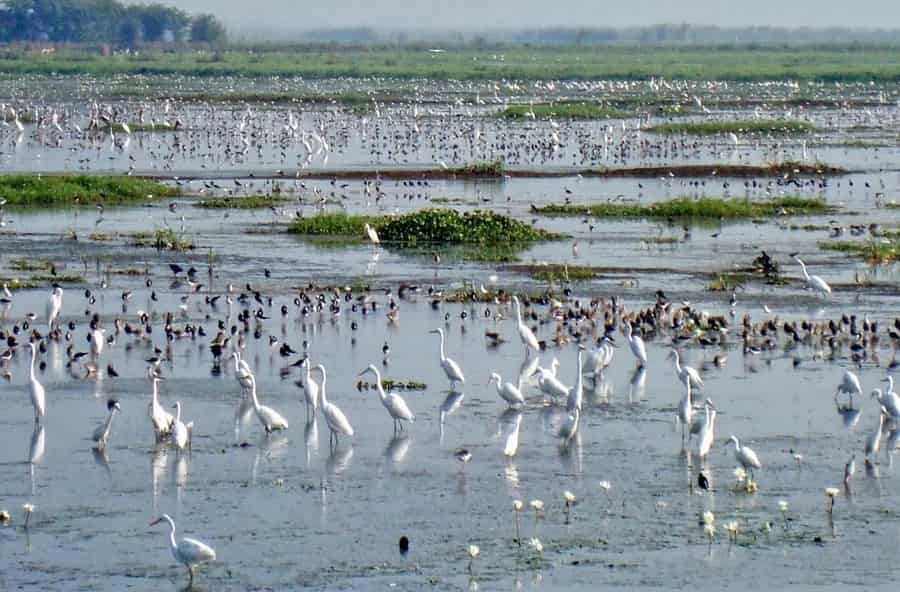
389 385
431 226
562 110
164 239
492 168
241 202
58 278
751 126
556 272
689 208
775 169
19 284
876 251
727 281
28 265
67 190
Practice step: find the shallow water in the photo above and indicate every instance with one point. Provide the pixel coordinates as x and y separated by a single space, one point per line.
285 511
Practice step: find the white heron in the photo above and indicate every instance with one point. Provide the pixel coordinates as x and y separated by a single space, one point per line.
813 281
242 372
686 411
889 400
310 388
849 384
685 373
507 391
187 551
744 455
38 396
181 432
373 236
873 442
270 419
525 332
637 345
98 341
550 384
334 417
600 358
707 429
161 419
451 368
54 305
395 404
575 395
101 434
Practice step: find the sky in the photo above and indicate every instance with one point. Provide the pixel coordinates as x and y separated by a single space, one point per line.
513 14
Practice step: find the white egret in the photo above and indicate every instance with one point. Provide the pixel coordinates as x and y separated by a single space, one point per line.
188 551
550 384
889 400
525 333
98 341
685 373
181 432
310 388
161 419
813 281
637 345
394 403
849 385
707 430
507 391
576 393
600 358
686 411
451 368
101 434
744 455
54 305
268 417
334 417
873 442
373 236
38 396
242 372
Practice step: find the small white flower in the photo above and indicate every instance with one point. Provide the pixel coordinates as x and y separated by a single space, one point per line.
4 516
709 518
766 527
709 530
732 527
604 485
473 551
537 505
832 492
569 497
536 545
517 505
783 505
740 474
29 508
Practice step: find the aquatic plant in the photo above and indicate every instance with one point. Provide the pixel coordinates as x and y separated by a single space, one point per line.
493 168
561 110
517 507
241 202
876 251
830 494
163 239
68 190
473 551
29 510
688 208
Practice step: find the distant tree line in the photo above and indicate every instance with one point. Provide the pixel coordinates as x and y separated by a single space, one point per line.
104 21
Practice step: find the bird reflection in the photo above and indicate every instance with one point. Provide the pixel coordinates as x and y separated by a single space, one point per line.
101 458
36 453
269 447
339 459
311 438
395 452
158 462
637 386
849 415
242 413
509 423
448 407
527 370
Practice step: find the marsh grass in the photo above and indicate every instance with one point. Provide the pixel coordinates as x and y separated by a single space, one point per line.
557 272
68 190
688 208
876 251
29 265
562 110
242 202
751 126
164 239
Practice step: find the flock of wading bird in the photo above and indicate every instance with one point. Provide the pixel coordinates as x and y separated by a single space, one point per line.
590 325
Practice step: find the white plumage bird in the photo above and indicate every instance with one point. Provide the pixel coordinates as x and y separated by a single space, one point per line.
101 434
337 422
54 306
636 344
507 391
706 430
685 373
181 432
814 282
161 419
395 404
373 235
310 388
525 333
187 551
38 395
745 456
270 419
451 368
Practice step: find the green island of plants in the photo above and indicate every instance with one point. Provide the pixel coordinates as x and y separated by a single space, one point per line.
688 208
69 190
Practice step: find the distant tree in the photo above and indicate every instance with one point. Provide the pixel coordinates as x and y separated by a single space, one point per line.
205 28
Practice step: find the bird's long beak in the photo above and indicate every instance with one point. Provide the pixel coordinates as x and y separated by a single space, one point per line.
155 522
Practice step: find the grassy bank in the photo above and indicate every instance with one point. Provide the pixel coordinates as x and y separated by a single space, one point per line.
877 251
243 202
561 110
775 127
688 208
68 190
839 63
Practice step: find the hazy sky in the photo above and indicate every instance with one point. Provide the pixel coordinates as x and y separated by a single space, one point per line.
500 14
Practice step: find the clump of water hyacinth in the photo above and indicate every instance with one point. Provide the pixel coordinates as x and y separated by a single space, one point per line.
473 552
743 482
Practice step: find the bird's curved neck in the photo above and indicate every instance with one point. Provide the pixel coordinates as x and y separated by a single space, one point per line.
677 362
322 386
155 393
109 420
178 413
803 269
33 362
253 395
441 335
172 534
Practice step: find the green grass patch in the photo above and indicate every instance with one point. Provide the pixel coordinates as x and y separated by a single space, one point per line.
492 168
688 208
67 190
164 239
28 265
63 278
243 202
19 284
561 110
557 272
776 127
877 252
727 281
893 205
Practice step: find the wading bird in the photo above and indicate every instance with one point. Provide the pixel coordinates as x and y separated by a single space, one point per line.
187 551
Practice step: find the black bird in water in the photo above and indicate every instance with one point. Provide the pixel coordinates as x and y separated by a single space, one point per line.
702 482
